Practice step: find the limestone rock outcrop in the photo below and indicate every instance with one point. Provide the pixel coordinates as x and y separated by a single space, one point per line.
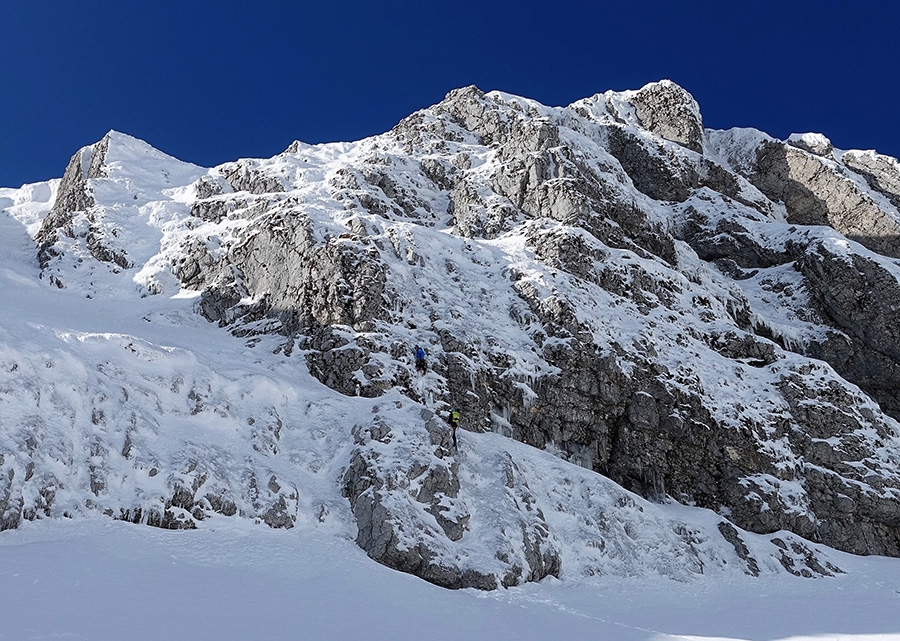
404 491
670 112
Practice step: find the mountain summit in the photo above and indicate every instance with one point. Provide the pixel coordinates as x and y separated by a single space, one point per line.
665 314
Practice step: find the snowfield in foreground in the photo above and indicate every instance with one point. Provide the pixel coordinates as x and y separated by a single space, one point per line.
103 580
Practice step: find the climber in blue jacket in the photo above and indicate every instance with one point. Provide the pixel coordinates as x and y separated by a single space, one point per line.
420 360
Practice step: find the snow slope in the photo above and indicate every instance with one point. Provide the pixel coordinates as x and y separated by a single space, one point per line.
103 580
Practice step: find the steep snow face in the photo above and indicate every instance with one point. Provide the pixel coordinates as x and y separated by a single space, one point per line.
607 281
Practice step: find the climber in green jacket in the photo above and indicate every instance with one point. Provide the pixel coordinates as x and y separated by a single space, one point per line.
454 423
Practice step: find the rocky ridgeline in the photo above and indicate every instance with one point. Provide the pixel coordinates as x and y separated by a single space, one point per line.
695 314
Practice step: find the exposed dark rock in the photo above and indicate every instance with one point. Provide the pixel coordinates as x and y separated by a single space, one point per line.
292 276
728 238
242 176
670 112
76 196
73 195
797 553
881 172
390 497
815 193
861 298
813 143
731 535
385 500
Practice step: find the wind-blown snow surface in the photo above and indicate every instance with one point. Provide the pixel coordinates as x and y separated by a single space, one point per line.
106 580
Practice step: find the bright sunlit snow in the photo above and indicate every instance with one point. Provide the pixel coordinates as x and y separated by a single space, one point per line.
99 579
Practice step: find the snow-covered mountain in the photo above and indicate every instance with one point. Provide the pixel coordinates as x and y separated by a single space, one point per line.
632 313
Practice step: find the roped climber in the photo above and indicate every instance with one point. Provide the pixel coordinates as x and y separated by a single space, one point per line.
421 366
453 419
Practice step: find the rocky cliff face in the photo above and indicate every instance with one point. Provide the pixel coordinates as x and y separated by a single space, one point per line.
697 315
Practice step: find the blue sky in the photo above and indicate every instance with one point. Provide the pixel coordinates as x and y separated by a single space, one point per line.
211 81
